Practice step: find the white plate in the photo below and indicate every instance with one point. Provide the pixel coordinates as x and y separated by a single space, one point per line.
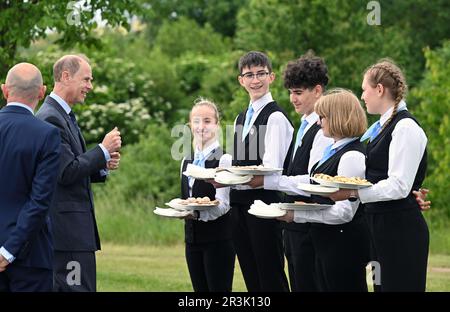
303 207
270 213
341 185
260 171
175 204
170 213
199 173
262 210
228 178
199 207
317 189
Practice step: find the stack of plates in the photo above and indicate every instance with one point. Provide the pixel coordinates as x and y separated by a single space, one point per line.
342 185
170 213
228 178
317 189
199 173
262 210
303 206
176 204
254 171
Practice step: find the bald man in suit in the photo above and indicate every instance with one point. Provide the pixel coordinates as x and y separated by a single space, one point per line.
29 158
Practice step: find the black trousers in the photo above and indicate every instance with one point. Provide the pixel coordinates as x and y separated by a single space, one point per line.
300 255
400 241
74 271
342 253
17 278
211 265
259 248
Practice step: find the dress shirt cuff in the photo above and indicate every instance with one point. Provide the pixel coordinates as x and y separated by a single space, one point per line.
271 181
105 151
367 195
5 253
298 217
104 172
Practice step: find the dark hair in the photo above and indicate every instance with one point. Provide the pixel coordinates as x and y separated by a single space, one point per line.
306 72
254 58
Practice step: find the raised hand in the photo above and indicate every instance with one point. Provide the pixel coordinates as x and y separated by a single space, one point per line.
112 141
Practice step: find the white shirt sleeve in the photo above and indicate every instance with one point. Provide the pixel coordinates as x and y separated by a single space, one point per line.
222 195
288 184
277 142
5 253
405 153
351 164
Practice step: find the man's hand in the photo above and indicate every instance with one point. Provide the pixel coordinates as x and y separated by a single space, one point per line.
342 194
113 163
421 195
112 141
3 263
256 181
288 217
215 184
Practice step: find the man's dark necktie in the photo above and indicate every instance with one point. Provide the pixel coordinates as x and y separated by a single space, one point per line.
74 121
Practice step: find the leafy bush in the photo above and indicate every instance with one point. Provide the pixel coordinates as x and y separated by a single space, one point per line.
130 117
433 98
148 177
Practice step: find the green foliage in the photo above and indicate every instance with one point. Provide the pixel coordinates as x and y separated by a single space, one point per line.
433 98
148 177
22 22
221 15
130 117
177 37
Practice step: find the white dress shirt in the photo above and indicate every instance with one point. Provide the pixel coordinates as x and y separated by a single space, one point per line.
405 153
278 136
222 194
288 184
351 164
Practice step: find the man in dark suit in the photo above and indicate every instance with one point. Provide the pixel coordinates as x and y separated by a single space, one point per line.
72 214
29 161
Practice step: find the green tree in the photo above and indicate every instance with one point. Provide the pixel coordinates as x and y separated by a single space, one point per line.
221 15
22 22
433 99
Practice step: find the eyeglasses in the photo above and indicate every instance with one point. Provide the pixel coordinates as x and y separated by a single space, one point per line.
259 75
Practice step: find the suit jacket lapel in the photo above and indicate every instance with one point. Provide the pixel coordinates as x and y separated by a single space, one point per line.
72 129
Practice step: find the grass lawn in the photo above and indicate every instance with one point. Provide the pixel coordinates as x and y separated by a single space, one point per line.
156 268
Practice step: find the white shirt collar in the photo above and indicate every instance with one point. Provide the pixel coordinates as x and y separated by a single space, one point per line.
342 142
388 113
262 101
21 105
311 118
208 150
61 102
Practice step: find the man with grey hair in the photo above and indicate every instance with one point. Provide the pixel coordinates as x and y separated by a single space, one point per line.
29 158
72 214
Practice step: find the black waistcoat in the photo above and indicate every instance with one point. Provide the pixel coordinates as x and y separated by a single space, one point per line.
251 151
330 167
299 166
377 163
200 231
